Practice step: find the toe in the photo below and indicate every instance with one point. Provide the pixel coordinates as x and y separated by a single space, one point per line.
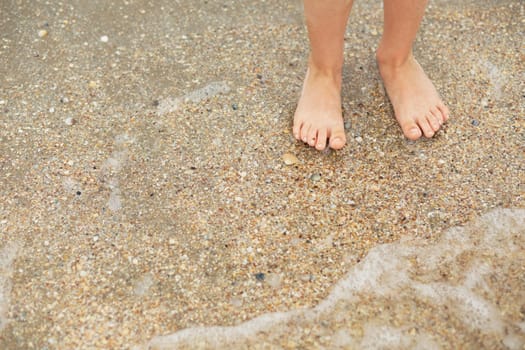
445 112
337 139
434 119
321 139
425 126
312 136
305 128
411 130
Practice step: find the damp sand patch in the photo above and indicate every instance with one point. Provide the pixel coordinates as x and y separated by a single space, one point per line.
465 289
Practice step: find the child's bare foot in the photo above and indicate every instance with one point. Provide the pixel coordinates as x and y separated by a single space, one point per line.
318 119
417 105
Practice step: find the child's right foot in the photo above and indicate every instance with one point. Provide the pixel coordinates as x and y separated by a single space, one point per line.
318 119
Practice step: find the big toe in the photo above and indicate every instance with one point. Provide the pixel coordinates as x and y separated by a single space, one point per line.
411 131
337 139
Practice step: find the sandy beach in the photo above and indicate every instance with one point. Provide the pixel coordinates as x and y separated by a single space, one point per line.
153 196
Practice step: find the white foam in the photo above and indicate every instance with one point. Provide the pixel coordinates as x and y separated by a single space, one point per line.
378 336
142 286
70 185
212 89
496 77
341 339
112 166
172 104
476 312
116 161
383 337
219 336
475 278
513 342
387 276
7 255
114 201
521 325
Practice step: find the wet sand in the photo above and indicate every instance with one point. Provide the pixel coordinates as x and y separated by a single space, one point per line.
146 192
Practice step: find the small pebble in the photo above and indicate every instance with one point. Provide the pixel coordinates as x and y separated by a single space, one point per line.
52 110
348 125
234 106
315 177
351 202
260 276
92 84
358 139
104 38
42 33
69 121
290 159
475 122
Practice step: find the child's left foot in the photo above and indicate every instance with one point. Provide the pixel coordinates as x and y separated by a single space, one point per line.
417 105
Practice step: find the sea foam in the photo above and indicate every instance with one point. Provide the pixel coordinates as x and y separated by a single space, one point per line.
393 286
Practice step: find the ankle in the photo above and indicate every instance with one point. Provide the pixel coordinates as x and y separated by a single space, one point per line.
392 60
330 68
331 74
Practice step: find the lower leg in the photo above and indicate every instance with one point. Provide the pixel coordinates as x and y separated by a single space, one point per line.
318 117
417 105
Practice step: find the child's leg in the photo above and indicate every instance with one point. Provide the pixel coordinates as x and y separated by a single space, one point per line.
318 116
417 105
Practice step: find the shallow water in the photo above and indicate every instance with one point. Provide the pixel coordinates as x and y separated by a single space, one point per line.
411 294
